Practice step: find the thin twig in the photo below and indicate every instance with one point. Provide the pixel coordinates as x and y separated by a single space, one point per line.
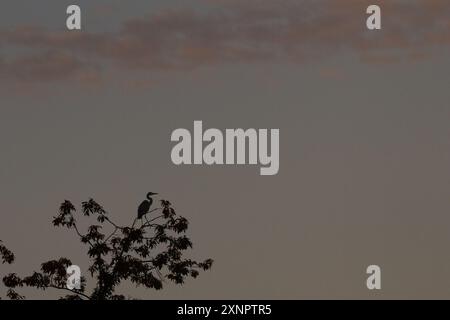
148 224
80 235
113 233
74 292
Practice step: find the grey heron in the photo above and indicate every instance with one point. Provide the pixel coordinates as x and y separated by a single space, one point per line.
144 207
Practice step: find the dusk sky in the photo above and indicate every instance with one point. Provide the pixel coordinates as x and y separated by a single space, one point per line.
364 122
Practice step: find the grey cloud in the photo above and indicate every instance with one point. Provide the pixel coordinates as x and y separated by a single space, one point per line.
234 31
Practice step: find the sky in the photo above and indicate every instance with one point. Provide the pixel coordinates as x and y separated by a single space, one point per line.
364 138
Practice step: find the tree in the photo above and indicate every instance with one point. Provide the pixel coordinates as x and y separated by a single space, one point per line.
8 257
146 255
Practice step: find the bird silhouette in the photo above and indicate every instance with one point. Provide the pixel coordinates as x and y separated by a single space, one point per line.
144 207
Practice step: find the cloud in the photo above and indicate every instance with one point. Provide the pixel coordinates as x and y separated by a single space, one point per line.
232 32
48 66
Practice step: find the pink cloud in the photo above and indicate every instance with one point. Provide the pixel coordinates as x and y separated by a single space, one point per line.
233 31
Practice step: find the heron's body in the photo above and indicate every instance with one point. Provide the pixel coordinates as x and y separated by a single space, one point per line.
144 207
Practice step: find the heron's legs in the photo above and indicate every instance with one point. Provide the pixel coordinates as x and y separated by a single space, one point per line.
146 219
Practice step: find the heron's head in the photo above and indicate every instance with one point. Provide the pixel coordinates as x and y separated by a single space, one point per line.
150 194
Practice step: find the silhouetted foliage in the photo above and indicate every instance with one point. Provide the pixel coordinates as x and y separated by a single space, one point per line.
145 255
7 257
6 254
